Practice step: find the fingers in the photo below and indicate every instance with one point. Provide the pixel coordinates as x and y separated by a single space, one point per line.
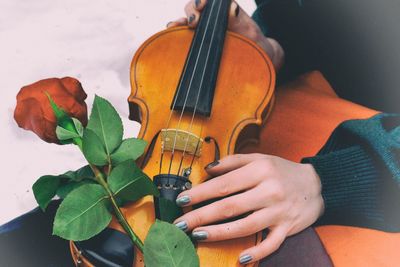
178 22
232 182
221 210
192 10
251 224
231 162
273 241
234 11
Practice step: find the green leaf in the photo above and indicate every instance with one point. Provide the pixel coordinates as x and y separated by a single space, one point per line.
129 183
83 173
74 179
83 213
131 148
93 149
66 188
64 134
106 123
166 245
78 126
45 189
70 175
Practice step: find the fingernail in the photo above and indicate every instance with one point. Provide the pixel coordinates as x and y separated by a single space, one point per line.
169 23
200 235
197 2
211 165
245 259
182 225
183 200
237 10
191 18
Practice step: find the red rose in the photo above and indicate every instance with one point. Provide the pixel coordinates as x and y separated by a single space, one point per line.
33 111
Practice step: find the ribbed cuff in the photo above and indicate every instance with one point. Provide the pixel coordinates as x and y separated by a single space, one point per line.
350 187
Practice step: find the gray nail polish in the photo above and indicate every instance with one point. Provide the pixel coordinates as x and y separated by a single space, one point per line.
191 18
211 165
237 11
183 200
200 235
245 259
197 2
182 225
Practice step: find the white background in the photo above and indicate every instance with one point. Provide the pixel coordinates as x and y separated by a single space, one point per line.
93 41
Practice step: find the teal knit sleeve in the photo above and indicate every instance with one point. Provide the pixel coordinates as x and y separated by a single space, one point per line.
359 168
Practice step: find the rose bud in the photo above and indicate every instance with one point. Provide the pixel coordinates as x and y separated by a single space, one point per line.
34 111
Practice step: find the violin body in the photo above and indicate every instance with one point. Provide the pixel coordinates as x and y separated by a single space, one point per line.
243 94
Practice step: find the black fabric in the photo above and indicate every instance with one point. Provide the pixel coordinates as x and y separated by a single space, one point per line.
354 43
110 248
27 241
302 249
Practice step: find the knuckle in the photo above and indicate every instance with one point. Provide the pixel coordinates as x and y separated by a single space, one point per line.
263 166
242 229
277 191
275 246
252 33
269 163
228 209
223 188
195 220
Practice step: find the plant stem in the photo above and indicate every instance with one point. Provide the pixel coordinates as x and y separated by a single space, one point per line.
118 213
78 142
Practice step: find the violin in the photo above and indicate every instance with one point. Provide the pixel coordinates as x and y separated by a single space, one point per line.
203 94
199 95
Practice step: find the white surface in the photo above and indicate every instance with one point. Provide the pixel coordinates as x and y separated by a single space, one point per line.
93 41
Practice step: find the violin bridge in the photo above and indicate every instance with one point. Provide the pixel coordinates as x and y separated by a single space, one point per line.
182 140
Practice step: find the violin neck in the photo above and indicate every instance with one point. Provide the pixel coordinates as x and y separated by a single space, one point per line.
195 91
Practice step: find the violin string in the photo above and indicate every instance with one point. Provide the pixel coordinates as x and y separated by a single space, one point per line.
194 154
200 89
190 87
172 109
174 104
197 147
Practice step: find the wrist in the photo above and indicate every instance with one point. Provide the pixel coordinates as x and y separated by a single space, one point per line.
316 189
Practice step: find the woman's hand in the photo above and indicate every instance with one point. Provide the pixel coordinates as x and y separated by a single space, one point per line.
276 193
239 22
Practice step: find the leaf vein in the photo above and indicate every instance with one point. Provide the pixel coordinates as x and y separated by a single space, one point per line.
126 185
90 207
